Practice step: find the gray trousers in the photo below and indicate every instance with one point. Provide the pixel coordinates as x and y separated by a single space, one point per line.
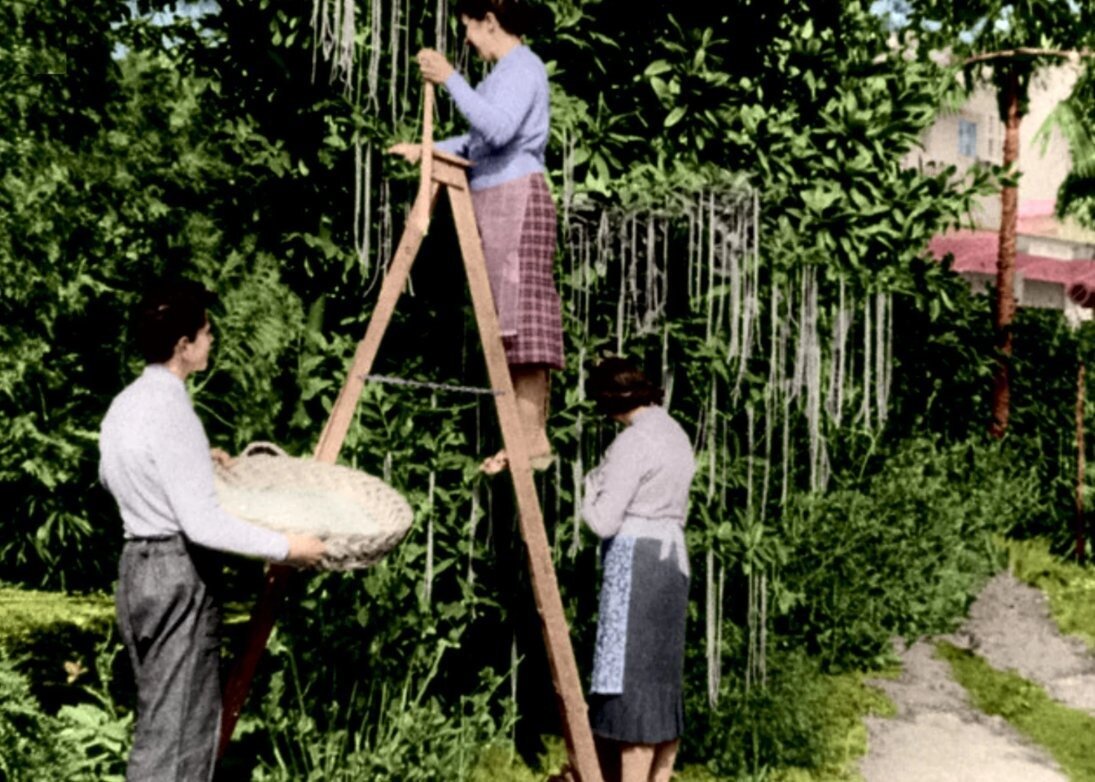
170 624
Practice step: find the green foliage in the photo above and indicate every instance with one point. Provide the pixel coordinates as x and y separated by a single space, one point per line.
97 729
208 149
803 725
52 635
394 733
30 748
1067 734
902 553
824 120
144 178
1076 197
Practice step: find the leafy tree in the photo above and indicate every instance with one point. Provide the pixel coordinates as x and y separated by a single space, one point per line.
1010 40
1076 197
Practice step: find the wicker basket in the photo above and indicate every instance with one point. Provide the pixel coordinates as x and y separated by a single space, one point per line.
357 515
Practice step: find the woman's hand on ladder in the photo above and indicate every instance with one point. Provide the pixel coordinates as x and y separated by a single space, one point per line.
412 153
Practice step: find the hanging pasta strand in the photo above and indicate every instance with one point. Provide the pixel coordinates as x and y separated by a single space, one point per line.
812 355
771 392
735 273
887 384
406 14
798 378
363 204
333 30
621 307
787 387
376 23
881 353
385 222
441 27
865 408
751 297
750 628
578 467
750 423
709 291
842 323
393 53
763 621
427 586
667 371
473 522
695 243
711 616
634 298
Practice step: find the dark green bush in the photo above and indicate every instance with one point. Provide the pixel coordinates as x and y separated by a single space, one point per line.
803 718
904 553
30 749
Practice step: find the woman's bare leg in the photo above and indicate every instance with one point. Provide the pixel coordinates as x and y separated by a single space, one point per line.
531 387
665 755
636 762
530 384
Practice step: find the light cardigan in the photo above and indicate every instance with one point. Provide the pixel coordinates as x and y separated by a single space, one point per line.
154 459
509 112
643 480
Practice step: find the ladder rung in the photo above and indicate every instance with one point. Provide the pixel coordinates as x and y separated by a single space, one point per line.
401 381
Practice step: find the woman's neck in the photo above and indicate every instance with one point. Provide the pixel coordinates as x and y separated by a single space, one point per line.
628 418
503 45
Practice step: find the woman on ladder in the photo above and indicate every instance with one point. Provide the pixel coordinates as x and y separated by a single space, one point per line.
508 113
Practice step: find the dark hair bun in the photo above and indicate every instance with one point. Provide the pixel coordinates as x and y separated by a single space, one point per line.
517 17
617 386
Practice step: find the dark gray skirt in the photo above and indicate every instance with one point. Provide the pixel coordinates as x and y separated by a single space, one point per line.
639 663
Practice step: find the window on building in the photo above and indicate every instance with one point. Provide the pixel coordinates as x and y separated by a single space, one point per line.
967 138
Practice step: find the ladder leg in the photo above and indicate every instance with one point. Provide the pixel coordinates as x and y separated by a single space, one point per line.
549 604
265 611
342 414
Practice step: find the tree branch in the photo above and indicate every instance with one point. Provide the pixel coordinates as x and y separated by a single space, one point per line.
1073 55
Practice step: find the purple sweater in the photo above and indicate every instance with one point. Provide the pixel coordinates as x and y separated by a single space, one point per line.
509 112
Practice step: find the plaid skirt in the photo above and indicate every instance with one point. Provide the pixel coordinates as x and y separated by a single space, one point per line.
517 226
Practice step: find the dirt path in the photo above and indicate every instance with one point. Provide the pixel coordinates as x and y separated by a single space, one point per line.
938 737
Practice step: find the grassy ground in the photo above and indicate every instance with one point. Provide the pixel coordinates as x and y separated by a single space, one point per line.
25 613
54 628
850 700
1069 587
1067 734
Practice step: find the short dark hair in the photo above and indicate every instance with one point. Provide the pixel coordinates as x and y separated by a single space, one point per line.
169 311
515 16
617 386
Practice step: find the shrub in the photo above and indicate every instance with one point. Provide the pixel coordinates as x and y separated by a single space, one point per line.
903 554
30 748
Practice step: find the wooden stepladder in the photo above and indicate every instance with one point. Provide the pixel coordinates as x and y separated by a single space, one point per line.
443 171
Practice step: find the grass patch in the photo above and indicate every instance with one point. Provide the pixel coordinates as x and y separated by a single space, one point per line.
1067 734
25 613
1069 587
849 701
501 763
52 638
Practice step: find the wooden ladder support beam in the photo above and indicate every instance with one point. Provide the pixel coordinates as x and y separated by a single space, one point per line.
545 586
330 442
441 170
